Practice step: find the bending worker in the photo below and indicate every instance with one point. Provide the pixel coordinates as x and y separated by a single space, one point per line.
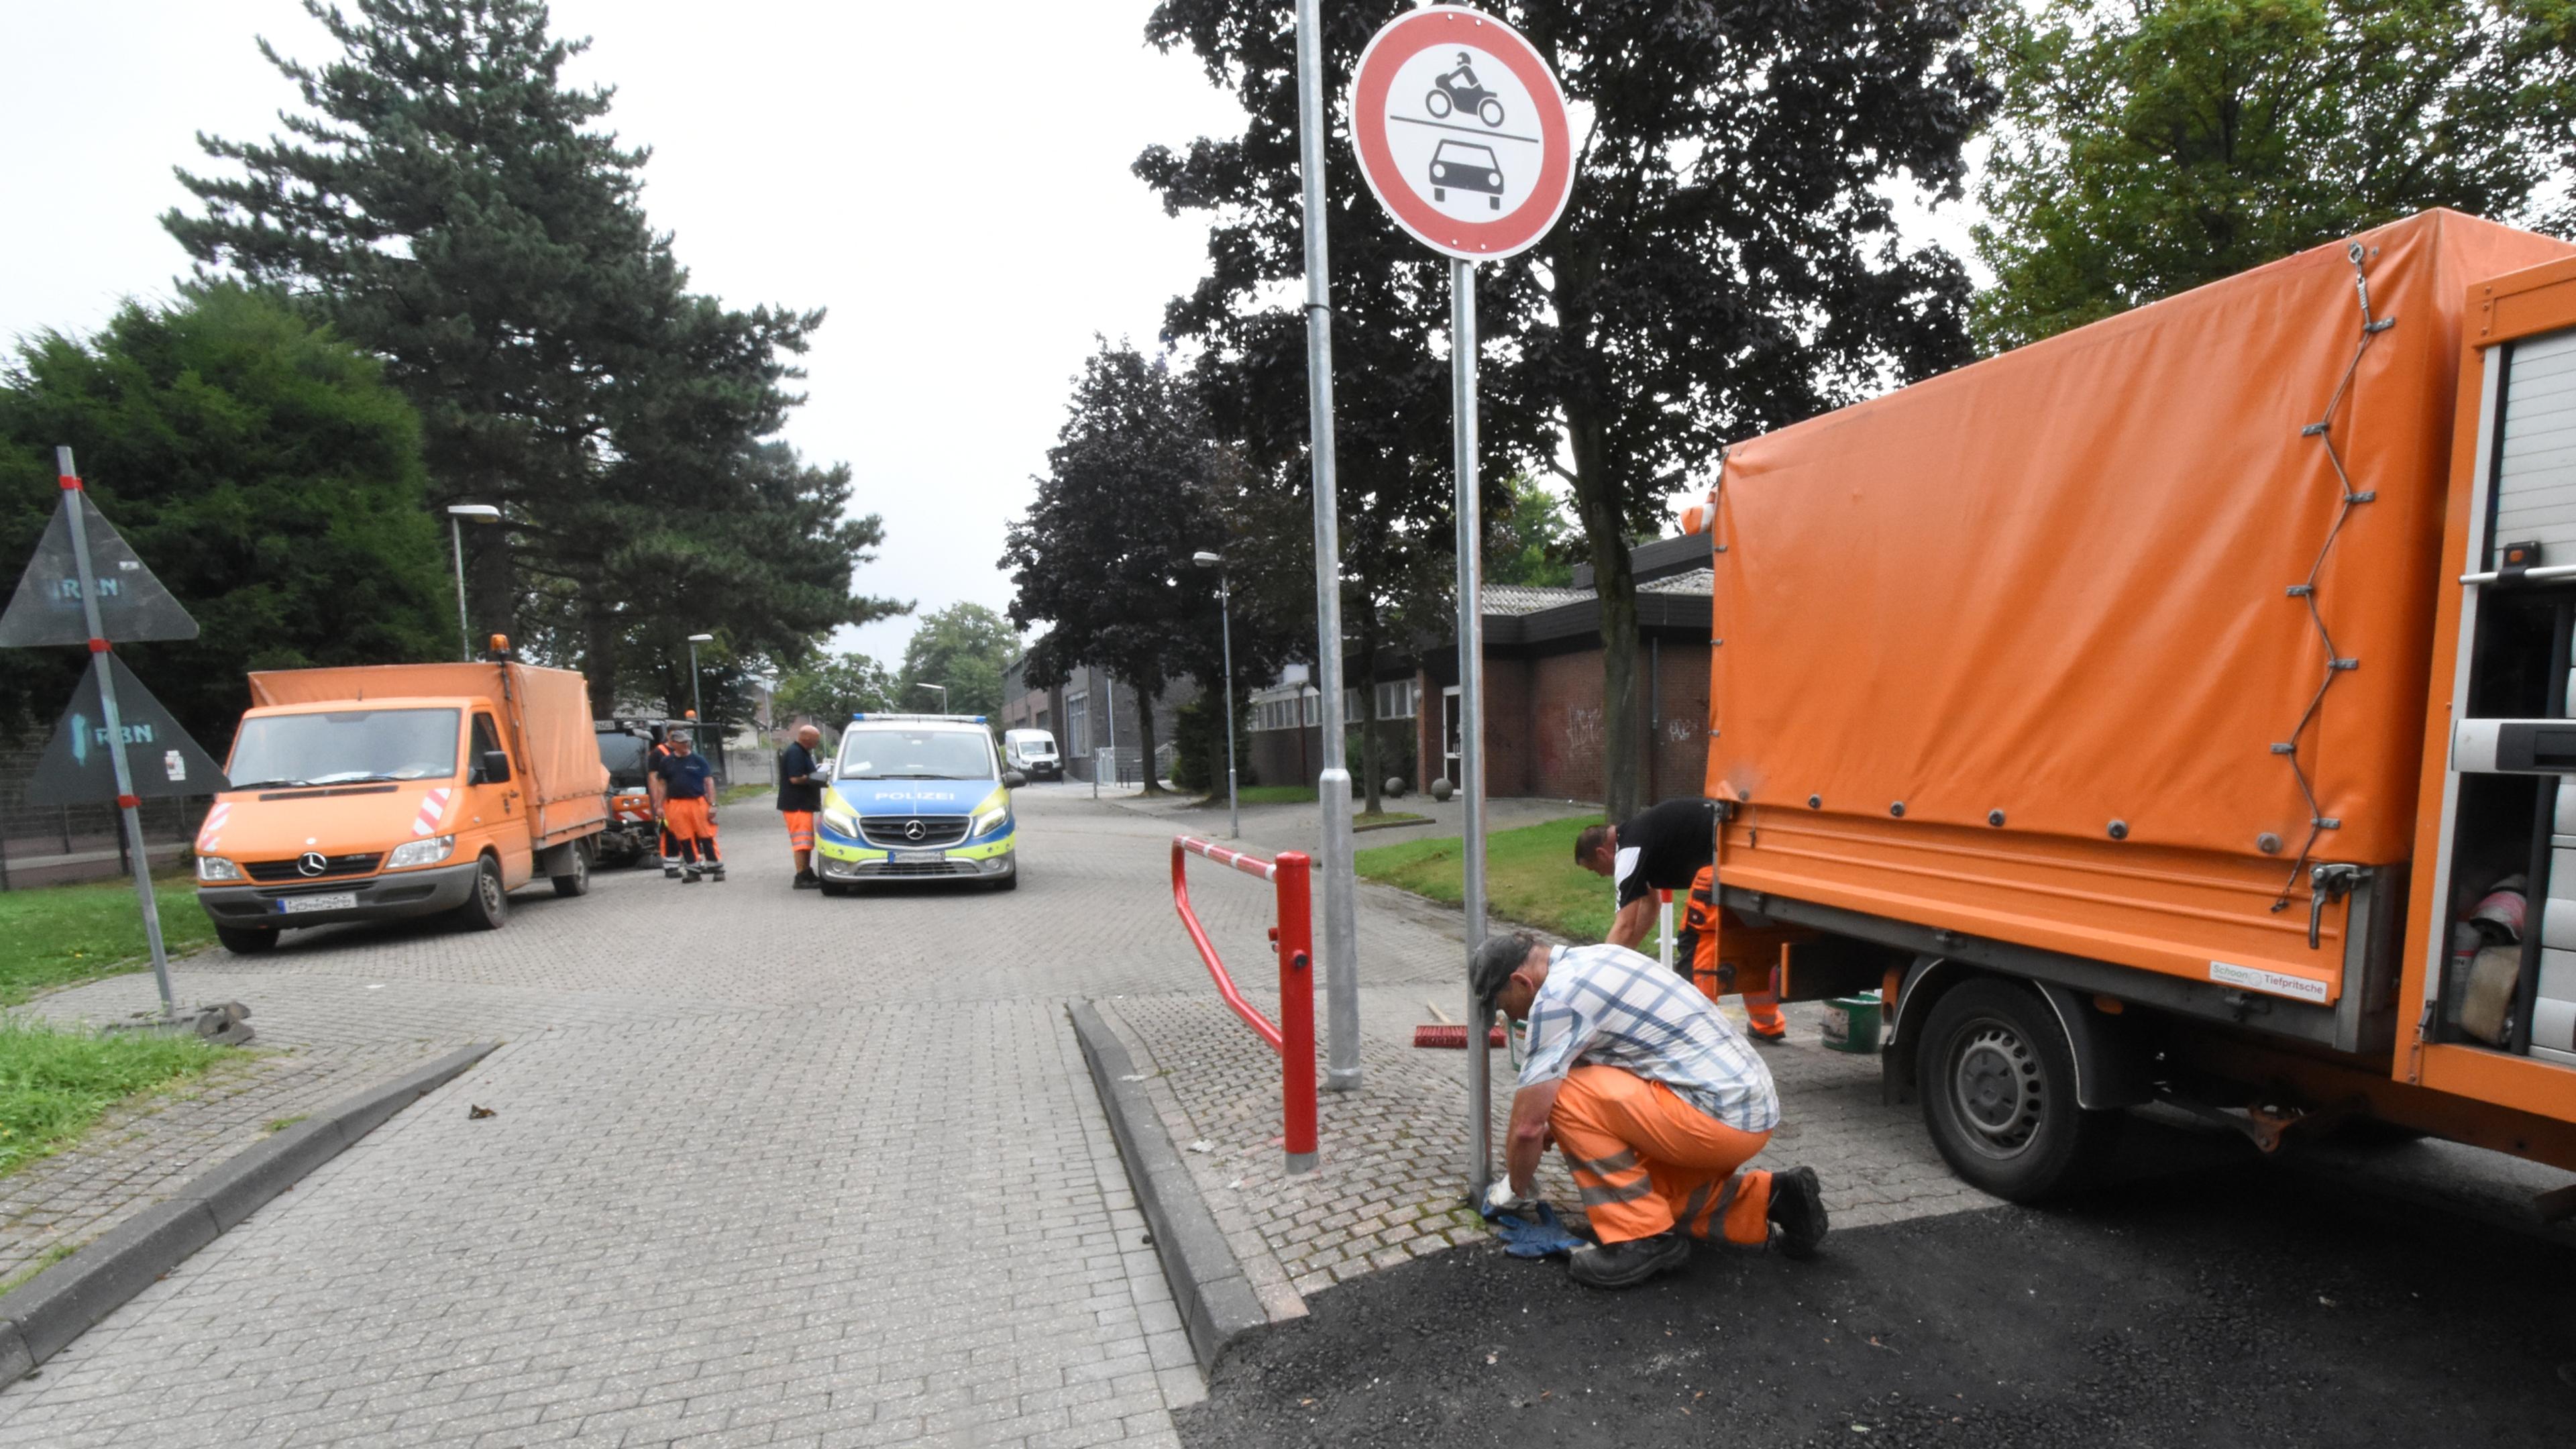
1673 847
800 794
1655 1101
689 806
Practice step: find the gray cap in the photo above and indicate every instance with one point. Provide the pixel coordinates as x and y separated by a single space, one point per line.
1496 960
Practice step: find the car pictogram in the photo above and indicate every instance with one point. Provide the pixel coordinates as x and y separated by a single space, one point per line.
1469 167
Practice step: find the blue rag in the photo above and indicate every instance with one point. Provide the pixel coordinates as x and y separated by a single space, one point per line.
1523 1238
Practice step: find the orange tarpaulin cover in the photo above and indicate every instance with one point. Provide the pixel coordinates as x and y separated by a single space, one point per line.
547 710
2058 583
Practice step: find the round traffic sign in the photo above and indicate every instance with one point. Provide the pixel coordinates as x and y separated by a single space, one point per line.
1461 132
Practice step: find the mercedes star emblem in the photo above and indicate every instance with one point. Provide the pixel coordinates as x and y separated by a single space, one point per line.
312 862
912 830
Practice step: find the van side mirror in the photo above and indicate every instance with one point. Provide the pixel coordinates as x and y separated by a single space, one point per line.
1013 779
495 769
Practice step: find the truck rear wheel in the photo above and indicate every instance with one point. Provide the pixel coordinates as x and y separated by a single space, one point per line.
488 905
1997 1082
576 882
246 940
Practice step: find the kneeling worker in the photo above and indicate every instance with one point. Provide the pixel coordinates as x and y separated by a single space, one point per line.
689 807
1655 1100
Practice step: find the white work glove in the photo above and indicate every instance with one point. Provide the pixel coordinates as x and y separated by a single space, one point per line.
1499 1197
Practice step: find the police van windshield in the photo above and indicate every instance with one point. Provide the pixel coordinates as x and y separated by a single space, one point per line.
344 747
915 755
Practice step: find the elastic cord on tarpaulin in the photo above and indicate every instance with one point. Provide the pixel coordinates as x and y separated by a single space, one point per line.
2323 430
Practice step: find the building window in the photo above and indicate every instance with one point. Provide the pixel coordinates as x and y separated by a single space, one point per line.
1398 699
1077 721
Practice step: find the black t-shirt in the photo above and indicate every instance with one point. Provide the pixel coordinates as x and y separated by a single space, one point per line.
797 760
1663 847
684 773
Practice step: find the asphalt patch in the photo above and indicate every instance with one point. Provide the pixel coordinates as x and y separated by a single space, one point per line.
2246 1307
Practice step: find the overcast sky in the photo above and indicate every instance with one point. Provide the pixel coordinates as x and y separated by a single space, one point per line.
951 181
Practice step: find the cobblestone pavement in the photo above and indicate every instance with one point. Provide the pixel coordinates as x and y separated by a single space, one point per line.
764 1168
137 1156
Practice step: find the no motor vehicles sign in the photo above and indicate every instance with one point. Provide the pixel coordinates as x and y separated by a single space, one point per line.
1462 132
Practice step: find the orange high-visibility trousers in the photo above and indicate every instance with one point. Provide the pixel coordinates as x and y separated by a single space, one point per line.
686 818
1644 1159
1759 985
800 829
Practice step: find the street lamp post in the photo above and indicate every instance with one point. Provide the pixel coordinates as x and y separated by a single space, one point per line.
457 515
1225 632
943 693
697 702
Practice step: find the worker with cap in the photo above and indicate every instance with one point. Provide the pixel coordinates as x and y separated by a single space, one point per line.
689 806
1673 847
1655 1100
800 794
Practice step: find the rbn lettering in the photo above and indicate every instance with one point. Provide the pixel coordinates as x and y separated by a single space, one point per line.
135 734
69 589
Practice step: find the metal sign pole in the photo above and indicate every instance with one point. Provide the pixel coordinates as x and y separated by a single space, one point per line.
1225 624
126 801
1333 787
1471 713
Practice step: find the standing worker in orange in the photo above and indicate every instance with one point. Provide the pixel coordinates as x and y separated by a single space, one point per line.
689 806
1673 847
1655 1101
800 794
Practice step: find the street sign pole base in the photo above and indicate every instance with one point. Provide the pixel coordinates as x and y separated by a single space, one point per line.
224 1024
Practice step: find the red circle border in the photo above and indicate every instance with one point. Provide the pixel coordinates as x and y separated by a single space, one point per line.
1401 40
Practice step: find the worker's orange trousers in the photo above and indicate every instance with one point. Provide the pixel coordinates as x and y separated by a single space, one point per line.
1715 978
800 829
687 818
1644 1159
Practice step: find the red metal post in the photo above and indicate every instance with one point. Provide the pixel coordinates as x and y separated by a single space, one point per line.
1297 1007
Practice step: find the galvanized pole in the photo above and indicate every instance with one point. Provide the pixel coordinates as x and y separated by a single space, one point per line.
1225 627
137 854
1333 787
1471 712
464 631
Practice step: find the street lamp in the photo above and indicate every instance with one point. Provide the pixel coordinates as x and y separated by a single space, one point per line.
1225 624
943 694
697 703
459 514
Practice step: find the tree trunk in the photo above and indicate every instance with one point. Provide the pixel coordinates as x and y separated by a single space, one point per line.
1143 694
600 628
1600 499
491 598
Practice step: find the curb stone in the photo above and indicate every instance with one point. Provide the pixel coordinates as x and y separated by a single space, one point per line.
40 1317
1216 1300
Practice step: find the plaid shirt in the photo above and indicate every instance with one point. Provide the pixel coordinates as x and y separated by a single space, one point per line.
1609 1006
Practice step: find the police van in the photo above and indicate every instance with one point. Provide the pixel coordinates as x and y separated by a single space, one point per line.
917 797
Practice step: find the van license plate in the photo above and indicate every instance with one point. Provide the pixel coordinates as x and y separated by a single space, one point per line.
298 905
919 857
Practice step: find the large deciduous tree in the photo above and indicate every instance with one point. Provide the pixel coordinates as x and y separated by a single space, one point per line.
963 649
1135 487
2149 146
446 200
1728 262
829 690
263 470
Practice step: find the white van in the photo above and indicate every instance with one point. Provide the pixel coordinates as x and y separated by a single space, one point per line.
1032 753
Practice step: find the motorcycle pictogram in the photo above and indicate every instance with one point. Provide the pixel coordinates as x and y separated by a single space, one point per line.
1460 91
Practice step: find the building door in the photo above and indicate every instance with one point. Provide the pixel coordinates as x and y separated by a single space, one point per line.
1450 712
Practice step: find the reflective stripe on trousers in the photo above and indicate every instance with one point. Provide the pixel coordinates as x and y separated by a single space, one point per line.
1644 1159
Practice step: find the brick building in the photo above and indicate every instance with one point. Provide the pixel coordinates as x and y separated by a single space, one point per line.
1543 691
1078 713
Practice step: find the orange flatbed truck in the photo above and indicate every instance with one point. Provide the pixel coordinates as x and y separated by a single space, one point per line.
379 792
2179 709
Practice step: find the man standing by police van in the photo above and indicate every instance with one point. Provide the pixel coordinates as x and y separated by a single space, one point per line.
800 794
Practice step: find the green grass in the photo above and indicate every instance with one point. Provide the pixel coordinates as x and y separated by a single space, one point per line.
753 791
44 1260
1364 819
1273 795
54 1082
1530 877
67 933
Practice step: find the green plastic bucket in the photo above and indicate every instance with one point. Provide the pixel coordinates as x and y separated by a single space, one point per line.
1852 1024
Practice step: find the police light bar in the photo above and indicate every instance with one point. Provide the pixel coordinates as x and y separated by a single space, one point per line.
939 718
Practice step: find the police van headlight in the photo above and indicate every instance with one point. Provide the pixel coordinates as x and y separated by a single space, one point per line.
421 852
992 819
838 814
216 868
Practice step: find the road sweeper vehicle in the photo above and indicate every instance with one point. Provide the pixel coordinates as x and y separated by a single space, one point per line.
378 792
2180 709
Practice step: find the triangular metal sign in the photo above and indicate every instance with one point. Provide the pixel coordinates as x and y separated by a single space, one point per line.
76 770
132 604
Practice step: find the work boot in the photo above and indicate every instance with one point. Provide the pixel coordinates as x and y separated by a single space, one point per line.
1769 1038
690 876
670 870
1798 1211
1625 1265
807 880
716 872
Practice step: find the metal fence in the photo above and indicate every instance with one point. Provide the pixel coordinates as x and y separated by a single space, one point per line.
54 844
